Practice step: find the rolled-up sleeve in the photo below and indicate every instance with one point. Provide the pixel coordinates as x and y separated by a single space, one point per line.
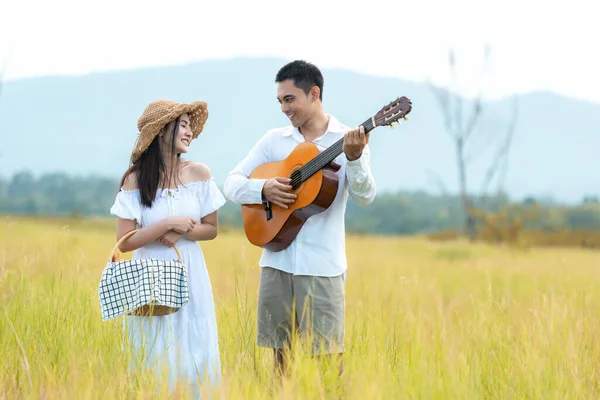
238 188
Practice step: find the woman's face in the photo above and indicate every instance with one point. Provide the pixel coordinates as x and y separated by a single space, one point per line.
183 136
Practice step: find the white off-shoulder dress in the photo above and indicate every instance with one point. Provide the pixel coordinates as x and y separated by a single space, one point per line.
182 346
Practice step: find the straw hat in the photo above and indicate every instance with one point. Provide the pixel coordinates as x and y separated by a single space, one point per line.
159 113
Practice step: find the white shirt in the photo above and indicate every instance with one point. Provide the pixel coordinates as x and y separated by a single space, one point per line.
319 249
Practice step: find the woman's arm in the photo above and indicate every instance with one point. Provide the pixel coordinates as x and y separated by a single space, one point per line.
150 233
207 229
142 236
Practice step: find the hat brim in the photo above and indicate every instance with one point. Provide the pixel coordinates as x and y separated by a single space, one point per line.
197 111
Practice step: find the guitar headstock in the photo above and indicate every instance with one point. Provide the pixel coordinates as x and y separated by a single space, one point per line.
393 112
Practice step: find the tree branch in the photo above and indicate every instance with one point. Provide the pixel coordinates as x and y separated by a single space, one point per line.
510 134
477 104
501 155
476 113
442 96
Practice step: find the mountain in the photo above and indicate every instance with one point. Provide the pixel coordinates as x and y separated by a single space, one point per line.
88 124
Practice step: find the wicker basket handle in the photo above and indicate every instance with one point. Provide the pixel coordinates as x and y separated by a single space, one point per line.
127 235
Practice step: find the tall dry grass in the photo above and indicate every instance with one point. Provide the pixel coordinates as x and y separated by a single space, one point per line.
423 320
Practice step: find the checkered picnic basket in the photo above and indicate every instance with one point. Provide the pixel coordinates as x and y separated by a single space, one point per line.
148 287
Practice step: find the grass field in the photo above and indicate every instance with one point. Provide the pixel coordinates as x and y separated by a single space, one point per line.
423 320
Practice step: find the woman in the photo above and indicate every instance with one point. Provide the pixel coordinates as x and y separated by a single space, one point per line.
172 201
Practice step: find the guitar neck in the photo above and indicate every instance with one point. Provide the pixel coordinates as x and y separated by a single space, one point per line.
327 156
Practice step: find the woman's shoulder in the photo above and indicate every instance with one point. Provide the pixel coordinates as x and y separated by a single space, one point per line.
130 182
197 171
204 187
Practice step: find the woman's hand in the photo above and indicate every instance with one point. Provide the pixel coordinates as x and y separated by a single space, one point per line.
181 224
170 238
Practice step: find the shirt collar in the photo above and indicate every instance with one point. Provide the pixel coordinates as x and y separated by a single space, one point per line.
334 126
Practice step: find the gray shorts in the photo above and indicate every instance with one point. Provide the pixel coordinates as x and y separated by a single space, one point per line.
313 305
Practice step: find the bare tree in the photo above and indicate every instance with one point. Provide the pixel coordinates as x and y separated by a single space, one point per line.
462 131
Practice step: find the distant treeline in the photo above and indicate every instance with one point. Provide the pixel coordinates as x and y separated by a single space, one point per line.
401 213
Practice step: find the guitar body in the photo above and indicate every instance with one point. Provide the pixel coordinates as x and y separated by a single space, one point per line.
315 195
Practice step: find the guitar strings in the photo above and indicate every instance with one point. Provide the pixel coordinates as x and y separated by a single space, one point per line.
317 163
314 165
324 158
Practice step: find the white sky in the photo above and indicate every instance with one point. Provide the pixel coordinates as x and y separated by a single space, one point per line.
536 44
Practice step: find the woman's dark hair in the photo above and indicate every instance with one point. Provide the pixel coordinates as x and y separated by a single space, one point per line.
150 168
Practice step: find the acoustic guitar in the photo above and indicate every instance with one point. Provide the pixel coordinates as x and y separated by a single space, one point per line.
313 179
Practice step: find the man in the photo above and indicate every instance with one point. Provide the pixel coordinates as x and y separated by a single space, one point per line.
309 275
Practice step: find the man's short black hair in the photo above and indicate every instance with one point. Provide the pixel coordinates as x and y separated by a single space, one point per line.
304 74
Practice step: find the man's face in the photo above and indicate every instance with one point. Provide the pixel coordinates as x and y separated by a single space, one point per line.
295 104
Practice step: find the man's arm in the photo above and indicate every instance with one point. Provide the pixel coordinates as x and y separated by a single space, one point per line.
238 188
361 183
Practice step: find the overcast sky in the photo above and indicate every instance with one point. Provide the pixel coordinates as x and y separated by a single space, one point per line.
534 44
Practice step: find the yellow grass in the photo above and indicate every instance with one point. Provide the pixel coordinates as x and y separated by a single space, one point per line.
423 320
